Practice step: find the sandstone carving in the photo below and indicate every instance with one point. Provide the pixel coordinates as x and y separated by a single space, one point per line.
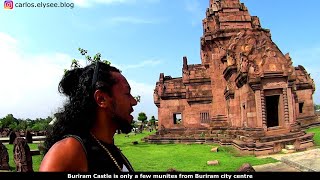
246 167
4 157
22 156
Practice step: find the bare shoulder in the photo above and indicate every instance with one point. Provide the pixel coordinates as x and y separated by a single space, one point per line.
65 155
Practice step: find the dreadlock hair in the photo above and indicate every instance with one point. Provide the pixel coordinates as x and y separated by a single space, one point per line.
78 113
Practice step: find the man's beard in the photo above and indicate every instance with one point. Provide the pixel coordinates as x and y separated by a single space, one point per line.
126 128
122 124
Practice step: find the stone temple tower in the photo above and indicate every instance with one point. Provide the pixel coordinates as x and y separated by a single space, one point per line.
245 92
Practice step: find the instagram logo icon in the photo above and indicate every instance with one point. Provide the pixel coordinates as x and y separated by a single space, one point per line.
8 4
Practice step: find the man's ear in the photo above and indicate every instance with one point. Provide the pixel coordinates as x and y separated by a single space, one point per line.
102 99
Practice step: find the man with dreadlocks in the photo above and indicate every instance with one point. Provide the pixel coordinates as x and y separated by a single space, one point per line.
81 140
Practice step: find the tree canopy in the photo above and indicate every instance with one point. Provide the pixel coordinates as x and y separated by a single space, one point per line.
38 124
142 117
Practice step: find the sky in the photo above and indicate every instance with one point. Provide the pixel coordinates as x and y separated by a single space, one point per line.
143 38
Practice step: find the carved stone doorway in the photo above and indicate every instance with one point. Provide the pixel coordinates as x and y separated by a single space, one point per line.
272 106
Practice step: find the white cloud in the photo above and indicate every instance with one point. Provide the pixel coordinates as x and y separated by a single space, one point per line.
138 65
29 83
7 41
81 3
114 22
146 104
128 19
91 3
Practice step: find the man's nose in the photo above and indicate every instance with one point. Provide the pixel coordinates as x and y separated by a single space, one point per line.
134 102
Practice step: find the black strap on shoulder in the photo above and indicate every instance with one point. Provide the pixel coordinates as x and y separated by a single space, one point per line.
79 139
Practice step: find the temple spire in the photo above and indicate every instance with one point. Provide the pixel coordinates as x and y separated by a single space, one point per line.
228 15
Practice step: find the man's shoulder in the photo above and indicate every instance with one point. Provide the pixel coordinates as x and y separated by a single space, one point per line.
69 142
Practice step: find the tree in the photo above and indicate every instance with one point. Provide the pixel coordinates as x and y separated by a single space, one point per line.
142 117
48 119
316 107
39 126
30 123
8 120
22 125
152 121
13 126
134 124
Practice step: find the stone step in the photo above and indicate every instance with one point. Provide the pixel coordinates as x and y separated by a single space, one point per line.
308 161
283 137
275 167
289 147
286 151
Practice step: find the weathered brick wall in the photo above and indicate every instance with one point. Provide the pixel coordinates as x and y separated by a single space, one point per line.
305 97
190 113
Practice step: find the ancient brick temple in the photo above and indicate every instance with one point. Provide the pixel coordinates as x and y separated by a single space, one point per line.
244 93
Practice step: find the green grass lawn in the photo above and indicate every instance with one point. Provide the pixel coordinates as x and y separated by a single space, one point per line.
182 157
316 137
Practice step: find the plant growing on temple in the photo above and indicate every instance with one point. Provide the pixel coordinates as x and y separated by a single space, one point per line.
97 57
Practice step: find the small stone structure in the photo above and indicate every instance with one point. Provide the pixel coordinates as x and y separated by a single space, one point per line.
245 92
4 157
213 163
28 136
22 155
4 132
246 167
12 136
